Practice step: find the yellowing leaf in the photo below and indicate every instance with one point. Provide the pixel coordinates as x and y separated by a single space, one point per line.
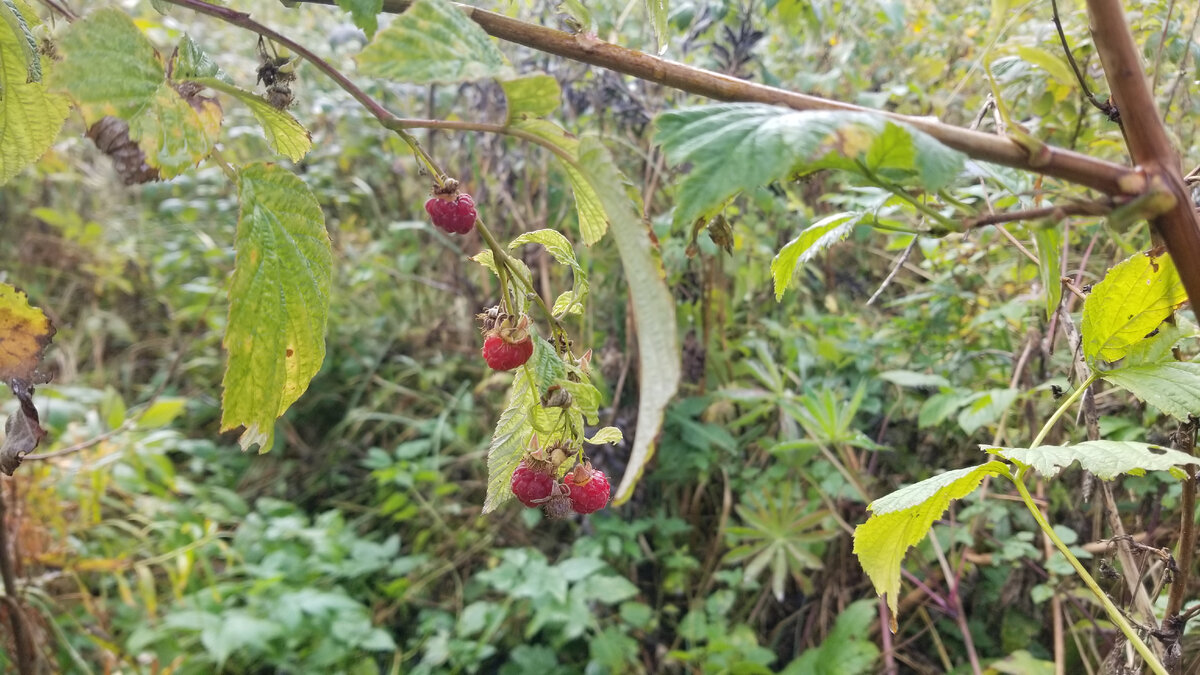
814 239
531 96
30 116
1135 296
174 133
25 331
279 301
902 519
284 134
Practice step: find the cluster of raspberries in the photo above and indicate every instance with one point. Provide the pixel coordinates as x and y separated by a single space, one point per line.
582 489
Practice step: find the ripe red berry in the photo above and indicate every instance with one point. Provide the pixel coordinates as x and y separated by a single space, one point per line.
455 215
531 486
502 354
589 488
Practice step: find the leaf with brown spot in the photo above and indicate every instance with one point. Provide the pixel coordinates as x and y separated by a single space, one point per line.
24 334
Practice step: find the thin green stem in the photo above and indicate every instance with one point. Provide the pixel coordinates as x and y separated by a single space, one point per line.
1113 612
1062 409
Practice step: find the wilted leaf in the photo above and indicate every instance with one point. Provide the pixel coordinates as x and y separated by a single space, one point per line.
22 430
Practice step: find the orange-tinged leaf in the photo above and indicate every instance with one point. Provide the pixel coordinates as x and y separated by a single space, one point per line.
25 331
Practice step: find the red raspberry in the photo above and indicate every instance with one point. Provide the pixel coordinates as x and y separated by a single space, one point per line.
455 215
531 486
589 488
503 354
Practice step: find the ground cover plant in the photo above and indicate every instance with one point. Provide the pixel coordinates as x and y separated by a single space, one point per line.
885 364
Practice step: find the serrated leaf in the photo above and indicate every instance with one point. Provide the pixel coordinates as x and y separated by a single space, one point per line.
23 38
562 251
535 95
565 304
593 221
193 63
173 133
108 66
279 301
1049 247
653 308
606 435
1106 459
284 134
586 399
1172 387
1135 296
815 238
510 439
364 13
1157 348
903 518
734 147
433 42
30 116
548 368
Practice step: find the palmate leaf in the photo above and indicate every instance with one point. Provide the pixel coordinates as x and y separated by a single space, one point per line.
903 518
1106 459
30 116
433 42
1135 296
738 146
279 301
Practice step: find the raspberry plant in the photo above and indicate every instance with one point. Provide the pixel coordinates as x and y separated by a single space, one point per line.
160 116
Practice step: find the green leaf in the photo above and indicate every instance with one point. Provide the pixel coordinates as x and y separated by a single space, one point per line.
30 116
738 146
284 134
1051 63
562 251
658 11
23 38
903 518
847 650
131 71
1156 349
653 308
908 378
279 301
1106 459
606 435
938 407
1135 296
1049 247
535 95
193 63
815 238
174 133
1172 387
433 42
364 13
985 408
593 221
510 439
548 368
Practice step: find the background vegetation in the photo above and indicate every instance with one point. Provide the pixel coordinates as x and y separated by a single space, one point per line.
357 544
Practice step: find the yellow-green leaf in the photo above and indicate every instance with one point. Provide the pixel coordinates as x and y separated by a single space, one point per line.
279 301
593 221
284 134
433 42
815 238
606 435
510 440
108 66
30 116
173 133
531 96
901 520
1135 296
